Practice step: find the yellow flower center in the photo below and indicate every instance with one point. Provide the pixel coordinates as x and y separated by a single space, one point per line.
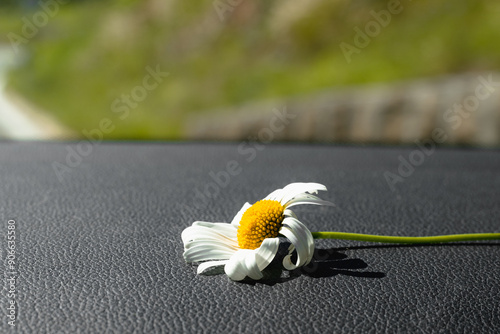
262 220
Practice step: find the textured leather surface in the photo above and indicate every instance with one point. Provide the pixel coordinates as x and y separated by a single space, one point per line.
100 252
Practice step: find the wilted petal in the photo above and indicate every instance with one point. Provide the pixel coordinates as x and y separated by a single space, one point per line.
295 189
301 238
236 268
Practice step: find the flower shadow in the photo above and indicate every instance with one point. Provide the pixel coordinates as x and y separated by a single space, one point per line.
325 263
331 262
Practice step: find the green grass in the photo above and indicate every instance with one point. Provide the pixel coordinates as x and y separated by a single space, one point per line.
91 53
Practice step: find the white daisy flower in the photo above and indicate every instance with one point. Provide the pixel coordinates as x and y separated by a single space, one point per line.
249 244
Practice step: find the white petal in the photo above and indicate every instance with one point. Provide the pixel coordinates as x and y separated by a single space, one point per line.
206 232
237 218
248 262
205 267
243 264
294 189
288 264
198 254
275 195
287 261
236 268
300 246
209 241
306 235
301 201
301 238
302 196
219 244
289 213
212 240
266 252
251 266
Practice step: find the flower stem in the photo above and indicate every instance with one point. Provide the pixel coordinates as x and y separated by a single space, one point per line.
406 240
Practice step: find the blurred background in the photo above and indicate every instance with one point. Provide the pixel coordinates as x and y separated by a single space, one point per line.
364 72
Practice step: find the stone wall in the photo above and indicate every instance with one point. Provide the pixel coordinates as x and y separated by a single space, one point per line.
466 107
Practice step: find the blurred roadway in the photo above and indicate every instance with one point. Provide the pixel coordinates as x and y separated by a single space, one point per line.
16 122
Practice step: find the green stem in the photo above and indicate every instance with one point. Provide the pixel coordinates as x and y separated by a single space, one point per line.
406 240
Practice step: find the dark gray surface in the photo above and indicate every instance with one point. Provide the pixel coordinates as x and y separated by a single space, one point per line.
101 250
